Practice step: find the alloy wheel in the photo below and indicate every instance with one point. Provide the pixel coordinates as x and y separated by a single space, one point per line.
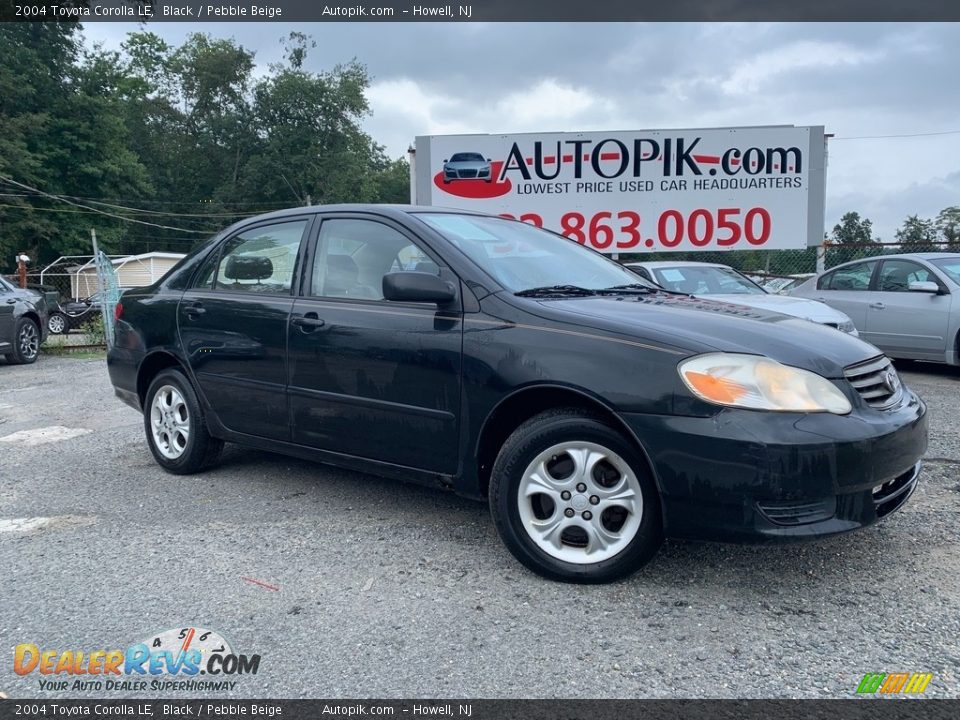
28 341
170 422
580 502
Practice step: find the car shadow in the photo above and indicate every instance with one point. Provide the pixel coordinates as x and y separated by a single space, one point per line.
840 565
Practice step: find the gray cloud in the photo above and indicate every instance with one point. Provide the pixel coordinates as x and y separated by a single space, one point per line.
854 78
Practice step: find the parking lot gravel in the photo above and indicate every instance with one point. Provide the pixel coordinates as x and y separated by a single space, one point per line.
348 585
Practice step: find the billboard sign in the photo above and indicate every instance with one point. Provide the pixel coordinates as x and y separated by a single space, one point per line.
642 191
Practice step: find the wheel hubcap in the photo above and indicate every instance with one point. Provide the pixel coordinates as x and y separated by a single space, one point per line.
170 422
580 502
29 341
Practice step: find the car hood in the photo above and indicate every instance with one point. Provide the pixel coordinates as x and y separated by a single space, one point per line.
697 326
797 307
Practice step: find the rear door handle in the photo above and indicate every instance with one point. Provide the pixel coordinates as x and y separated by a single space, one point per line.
11 302
308 322
194 311
878 306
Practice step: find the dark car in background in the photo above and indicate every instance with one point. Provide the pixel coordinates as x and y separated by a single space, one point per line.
595 411
76 313
23 323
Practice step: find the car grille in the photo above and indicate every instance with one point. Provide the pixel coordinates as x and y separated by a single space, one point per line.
468 173
877 382
891 495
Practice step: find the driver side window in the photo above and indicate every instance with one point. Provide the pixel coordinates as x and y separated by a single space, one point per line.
353 255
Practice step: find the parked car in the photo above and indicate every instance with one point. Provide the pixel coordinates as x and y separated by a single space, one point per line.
723 283
467 166
907 305
23 323
783 285
596 411
76 313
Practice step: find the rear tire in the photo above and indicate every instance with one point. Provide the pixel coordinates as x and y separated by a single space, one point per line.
573 500
58 324
175 426
26 343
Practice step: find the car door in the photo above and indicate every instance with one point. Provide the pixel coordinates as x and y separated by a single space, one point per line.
847 288
8 302
368 377
233 326
904 323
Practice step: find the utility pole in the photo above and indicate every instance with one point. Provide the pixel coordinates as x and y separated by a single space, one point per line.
22 260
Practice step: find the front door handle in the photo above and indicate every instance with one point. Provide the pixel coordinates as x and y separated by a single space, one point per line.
308 322
877 306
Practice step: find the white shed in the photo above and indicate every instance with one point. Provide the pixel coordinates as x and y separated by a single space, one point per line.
132 271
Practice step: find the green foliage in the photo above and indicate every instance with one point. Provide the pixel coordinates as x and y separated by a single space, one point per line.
948 225
186 133
95 330
917 231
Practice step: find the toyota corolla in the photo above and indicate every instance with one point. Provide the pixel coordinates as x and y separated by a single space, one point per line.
596 412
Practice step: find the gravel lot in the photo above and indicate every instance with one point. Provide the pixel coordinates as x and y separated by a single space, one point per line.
390 590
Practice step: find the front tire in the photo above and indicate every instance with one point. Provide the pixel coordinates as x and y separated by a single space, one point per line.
175 426
26 343
573 500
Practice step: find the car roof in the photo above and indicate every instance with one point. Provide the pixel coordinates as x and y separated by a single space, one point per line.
900 256
654 264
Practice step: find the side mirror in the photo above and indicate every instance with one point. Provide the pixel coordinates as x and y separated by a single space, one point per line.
489 160
412 286
446 160
925 286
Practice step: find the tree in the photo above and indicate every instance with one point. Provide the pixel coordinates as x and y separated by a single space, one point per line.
948 225
852 238
61 134
852 230
917 231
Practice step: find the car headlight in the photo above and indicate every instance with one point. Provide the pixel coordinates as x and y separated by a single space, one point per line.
759 383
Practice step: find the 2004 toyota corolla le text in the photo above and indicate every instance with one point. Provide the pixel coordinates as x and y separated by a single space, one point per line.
596 411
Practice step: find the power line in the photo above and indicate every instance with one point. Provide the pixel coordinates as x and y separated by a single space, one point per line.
905 135
102 212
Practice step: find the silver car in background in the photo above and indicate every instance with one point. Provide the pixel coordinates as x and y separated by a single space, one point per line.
724 284
467 166
906 305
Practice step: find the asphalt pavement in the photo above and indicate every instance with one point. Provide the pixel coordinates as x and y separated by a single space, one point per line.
348 585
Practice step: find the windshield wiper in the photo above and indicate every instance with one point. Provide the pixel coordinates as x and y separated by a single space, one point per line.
638 287
555 290
631 287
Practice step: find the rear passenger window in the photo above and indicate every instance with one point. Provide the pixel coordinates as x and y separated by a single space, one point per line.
260 260
852 277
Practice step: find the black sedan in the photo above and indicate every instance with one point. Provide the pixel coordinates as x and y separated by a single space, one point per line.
596 412
23 323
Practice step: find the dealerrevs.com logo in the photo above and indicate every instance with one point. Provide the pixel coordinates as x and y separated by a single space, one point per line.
168 661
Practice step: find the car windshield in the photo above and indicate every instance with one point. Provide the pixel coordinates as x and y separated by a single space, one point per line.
706 280
522 257
466 157
951 266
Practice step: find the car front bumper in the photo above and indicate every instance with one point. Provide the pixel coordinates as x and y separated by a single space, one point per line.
747 476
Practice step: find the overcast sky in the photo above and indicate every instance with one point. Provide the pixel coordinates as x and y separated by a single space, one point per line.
856 79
